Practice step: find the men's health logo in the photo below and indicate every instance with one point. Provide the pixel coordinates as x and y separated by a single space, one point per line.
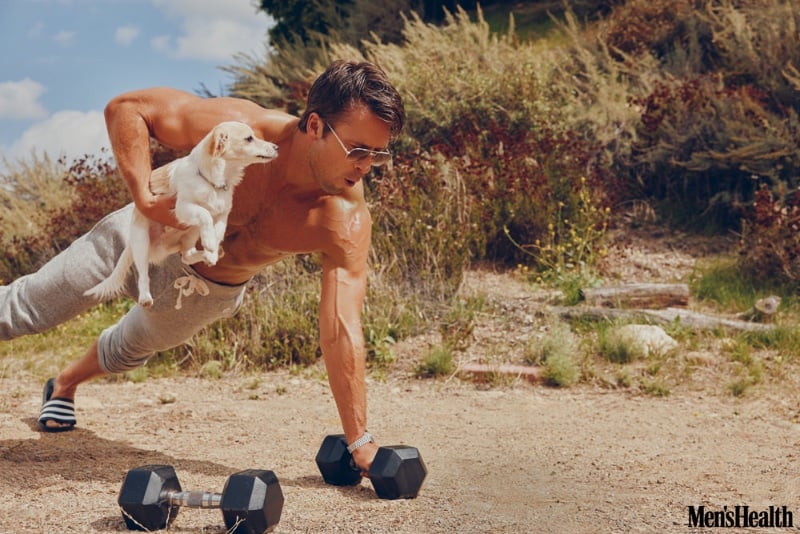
740 517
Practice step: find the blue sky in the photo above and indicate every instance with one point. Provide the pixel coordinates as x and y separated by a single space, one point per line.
63 60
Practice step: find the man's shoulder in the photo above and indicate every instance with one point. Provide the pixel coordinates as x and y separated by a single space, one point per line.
348 225
273 125
348 204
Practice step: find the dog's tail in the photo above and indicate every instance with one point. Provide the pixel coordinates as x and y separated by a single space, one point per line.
112 286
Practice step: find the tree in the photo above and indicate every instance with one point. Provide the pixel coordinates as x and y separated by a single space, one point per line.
297 20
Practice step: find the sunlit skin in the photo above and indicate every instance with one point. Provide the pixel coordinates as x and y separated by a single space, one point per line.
309 199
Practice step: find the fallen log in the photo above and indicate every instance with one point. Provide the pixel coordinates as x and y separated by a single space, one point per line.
670 315
638 296
481 372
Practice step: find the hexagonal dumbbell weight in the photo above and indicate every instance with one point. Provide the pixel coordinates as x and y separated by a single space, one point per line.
151 496
396 473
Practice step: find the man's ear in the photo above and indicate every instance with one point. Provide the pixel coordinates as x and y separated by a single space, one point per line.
219 142
315 126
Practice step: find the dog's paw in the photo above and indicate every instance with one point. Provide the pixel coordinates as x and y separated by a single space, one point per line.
102 292
145 301
210 258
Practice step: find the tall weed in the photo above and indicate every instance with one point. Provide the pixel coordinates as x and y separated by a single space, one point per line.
29 190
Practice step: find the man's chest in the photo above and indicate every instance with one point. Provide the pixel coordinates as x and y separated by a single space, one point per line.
283 225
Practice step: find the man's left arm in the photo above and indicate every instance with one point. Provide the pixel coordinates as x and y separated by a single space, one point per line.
344 285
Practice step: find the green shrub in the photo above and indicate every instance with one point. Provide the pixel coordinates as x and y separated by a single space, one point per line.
557 352
438 361
618 349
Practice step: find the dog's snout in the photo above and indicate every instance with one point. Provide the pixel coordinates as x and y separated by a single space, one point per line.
270 151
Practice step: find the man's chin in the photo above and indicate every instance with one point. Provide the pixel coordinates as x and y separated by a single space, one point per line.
331 189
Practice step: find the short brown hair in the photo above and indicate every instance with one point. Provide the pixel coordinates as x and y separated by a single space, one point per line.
345 84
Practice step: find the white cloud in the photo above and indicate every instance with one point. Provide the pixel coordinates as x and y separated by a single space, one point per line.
213 30
20 100
71 134
125 35
64 37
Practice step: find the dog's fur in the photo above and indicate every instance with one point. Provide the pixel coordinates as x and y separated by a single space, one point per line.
203 183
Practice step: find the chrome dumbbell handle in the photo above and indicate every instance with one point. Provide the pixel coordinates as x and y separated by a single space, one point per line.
193 499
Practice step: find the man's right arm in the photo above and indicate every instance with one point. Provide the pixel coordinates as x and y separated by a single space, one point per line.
131 119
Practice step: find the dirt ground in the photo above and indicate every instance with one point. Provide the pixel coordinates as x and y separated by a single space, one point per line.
510 457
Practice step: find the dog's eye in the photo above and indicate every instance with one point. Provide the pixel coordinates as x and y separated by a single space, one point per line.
249 139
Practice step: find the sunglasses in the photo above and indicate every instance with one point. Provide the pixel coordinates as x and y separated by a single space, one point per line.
379 157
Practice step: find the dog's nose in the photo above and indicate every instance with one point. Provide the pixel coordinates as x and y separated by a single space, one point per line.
270 152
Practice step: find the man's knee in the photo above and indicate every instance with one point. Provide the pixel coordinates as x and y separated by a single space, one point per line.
17 316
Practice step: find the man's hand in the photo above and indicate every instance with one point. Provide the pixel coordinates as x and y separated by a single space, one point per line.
161 209
363 457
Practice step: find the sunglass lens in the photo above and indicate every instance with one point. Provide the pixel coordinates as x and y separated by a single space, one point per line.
381 158
358 154
378 158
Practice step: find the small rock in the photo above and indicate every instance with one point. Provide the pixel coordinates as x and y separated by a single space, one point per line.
646 338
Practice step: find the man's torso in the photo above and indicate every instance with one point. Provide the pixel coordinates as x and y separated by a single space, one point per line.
269 222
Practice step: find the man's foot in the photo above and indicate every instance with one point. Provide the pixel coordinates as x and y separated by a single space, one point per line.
57 413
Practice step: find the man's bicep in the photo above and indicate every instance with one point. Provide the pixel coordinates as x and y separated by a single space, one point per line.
162 111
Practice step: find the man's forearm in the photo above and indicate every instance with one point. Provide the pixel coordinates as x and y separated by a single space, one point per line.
346 371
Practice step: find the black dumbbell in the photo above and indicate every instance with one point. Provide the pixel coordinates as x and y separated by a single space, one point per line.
396 473
151 496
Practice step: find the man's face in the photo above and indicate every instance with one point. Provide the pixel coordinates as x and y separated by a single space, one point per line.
334 171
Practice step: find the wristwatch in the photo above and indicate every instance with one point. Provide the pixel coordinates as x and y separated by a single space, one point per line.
360 442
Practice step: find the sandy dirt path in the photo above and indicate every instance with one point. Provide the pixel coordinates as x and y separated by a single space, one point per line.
520 458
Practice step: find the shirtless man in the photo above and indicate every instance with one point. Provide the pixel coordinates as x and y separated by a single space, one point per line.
309 199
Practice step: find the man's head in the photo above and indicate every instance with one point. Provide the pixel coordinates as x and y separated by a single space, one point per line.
346 84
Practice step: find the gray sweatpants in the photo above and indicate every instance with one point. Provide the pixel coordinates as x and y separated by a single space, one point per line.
184 301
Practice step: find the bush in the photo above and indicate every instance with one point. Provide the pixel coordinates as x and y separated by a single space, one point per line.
92 188
438 361
700 97
770 240
422 233
495 117
557 352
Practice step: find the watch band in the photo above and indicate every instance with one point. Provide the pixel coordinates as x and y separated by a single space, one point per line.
360 442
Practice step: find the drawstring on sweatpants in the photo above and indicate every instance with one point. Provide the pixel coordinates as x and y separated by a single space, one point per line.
187 285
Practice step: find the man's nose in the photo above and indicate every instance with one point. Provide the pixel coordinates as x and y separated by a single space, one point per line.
364 165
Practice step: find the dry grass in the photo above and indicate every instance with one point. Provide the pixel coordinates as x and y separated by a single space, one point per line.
29 190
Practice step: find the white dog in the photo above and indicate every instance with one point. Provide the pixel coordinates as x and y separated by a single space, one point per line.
203 183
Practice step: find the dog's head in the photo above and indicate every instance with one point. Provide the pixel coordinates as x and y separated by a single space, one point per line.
236 141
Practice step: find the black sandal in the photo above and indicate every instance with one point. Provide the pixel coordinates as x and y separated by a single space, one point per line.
58 409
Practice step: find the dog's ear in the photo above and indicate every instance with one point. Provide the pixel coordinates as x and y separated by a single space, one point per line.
219 142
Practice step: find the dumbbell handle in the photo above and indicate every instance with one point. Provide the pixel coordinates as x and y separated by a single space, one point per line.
192 499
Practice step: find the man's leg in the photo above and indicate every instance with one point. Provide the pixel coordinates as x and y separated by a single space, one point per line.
55 293
79 371
184 303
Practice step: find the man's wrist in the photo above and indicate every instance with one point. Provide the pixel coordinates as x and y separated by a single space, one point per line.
360 442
